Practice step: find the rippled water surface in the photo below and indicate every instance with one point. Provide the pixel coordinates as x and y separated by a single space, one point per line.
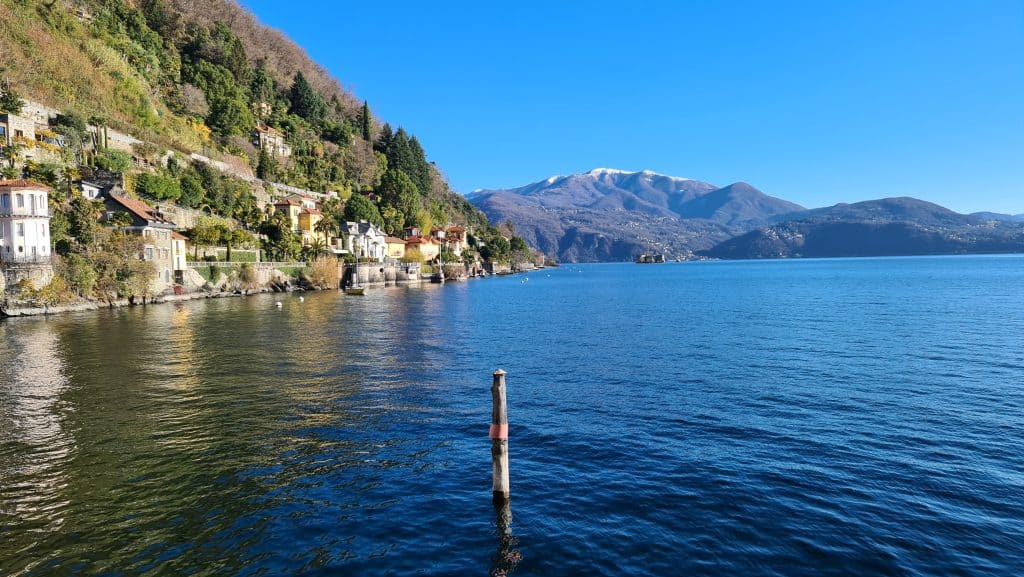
818 417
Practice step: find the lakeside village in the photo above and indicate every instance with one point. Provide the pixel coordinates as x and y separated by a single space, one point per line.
79 230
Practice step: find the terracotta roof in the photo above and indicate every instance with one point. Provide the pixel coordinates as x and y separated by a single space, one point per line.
420 240
138 208
23 184
269 129
456 229
287 201
394 240
178 236
310 211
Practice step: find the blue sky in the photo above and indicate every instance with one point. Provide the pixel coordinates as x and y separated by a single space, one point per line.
815 102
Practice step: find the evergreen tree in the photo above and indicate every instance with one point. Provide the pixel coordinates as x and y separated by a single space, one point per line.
384 142
266 168
305 102
262 91
364 121
230 116
10 101
361 208
192 192
419 167
399 191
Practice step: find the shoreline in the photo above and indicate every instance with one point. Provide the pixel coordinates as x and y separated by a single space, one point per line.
18 311
89 305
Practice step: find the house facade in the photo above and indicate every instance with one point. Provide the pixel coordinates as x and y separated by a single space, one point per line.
24 234
308 219
395 247
428 248
24 221
155 230
455 239
303 216
272 141
178 256
90 190
14 128
365 240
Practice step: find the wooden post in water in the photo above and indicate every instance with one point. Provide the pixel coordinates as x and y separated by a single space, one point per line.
499 439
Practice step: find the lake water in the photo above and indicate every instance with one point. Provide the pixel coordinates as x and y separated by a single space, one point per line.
811 417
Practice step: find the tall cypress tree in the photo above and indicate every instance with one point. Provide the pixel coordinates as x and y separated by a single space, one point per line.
364 121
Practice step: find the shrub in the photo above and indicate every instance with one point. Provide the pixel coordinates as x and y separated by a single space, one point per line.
158 186
247 279
113 160
323 272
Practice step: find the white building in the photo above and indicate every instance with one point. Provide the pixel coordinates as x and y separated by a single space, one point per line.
178 254
364 240
91 190
24 222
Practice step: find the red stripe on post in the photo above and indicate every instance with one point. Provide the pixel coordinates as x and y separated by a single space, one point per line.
499 432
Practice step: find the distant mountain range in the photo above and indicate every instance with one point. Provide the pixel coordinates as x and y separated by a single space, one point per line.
886 227
998 216
608 214
614 215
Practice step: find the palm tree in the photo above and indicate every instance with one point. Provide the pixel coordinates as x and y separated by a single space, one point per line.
313 250
328 227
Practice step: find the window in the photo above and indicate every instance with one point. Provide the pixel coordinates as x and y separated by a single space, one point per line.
149 253
19 201
20 229
3 130
5 201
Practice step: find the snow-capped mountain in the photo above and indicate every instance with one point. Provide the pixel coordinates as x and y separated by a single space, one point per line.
610 214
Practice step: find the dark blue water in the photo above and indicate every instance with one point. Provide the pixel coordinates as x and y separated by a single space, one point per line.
818 417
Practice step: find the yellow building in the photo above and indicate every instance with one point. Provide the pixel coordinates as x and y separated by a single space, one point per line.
427 247
291 208
308 219
396 247
302 216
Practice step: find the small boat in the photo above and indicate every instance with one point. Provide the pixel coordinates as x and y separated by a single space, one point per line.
355 290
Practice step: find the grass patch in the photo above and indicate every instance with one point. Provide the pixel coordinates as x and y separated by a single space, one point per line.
237 255
292 271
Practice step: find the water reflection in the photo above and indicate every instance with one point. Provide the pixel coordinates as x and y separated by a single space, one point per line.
35 445
508 555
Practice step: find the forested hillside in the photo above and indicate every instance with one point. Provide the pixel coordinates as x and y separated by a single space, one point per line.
203 77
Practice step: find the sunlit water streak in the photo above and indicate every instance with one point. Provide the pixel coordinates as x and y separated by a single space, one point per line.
829 417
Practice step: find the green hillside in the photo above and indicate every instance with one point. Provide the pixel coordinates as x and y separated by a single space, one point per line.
199 77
